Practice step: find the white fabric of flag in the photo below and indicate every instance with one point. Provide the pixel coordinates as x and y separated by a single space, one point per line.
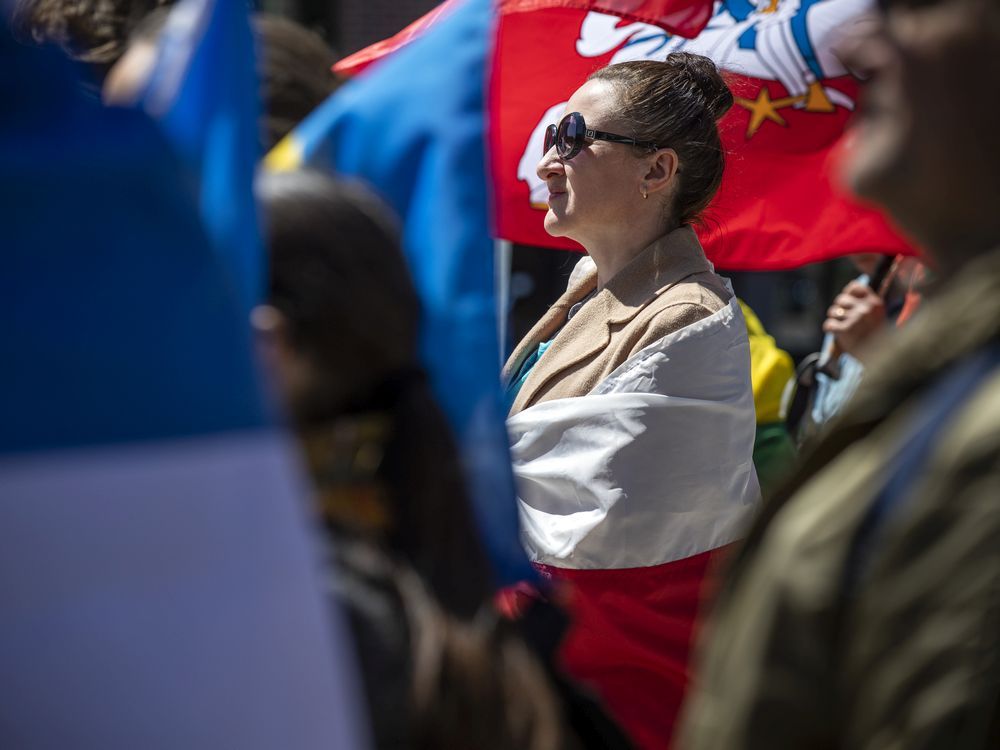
654 465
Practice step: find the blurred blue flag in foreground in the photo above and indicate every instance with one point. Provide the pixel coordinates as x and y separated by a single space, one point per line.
203 93
413 128
159 584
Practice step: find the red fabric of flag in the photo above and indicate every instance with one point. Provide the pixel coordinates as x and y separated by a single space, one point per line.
780 204
631 638
684 17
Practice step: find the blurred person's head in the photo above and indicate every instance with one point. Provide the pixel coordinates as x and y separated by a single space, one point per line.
128 76
294 68
340 297
95 32
339 333
924 144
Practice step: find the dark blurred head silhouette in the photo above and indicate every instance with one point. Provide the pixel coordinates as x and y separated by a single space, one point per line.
340 332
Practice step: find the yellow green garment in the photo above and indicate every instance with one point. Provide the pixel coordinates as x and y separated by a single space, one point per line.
770 370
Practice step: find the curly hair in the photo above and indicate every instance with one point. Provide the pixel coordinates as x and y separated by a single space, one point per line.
91 31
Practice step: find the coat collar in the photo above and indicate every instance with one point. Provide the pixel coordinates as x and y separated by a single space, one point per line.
667 261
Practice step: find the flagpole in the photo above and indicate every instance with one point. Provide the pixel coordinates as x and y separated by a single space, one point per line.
503 254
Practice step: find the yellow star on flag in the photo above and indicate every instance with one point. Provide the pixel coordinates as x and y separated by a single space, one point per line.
761 109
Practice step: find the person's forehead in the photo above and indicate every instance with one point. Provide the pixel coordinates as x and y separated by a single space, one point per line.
596 101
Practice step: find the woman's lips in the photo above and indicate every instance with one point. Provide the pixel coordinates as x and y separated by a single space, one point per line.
554 196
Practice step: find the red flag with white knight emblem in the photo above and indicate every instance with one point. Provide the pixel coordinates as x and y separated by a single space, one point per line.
780 205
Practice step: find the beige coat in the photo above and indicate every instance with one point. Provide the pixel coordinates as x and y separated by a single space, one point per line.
667 286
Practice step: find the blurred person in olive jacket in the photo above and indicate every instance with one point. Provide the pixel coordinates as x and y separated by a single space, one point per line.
864 608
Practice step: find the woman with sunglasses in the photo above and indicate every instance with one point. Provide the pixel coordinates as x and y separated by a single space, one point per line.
631 411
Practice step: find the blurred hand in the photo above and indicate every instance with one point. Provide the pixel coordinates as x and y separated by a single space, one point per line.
854 316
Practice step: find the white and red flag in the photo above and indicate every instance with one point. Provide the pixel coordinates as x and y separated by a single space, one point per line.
628 494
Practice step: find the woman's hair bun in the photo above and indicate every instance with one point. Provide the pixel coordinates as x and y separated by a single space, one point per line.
675 103
703 76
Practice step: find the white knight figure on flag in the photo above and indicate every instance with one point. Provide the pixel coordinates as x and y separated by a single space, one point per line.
787 41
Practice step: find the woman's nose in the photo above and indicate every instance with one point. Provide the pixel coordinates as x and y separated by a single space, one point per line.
550 165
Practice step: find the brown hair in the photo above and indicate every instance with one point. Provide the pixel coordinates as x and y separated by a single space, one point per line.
91 31
295 69
676 103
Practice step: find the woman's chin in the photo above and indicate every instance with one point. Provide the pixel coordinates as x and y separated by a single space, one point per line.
555 224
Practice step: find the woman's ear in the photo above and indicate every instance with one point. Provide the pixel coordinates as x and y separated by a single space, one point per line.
286 369
663 165
271 340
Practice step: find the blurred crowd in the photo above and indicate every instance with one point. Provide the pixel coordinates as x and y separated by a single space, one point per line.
731 552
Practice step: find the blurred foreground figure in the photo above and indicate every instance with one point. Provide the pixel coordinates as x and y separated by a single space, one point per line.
863 610
340 335
160 588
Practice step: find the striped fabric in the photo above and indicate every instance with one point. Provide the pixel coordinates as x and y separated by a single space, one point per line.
627 494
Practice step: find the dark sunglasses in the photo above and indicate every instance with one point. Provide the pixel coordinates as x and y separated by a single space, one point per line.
572 135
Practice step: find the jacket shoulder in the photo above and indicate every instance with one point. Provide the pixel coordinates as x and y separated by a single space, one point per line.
684 303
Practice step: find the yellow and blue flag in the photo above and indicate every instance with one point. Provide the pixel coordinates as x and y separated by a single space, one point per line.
203 94
414 128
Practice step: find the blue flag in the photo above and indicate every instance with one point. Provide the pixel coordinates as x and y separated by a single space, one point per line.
158 582
414 129
203 93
